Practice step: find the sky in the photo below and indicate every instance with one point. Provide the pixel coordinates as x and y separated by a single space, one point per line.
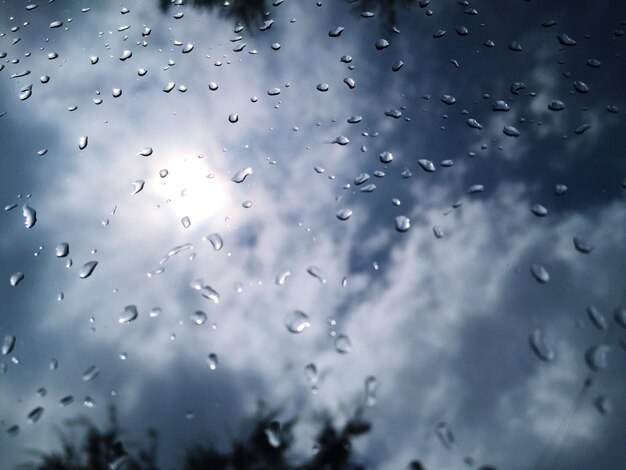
440 314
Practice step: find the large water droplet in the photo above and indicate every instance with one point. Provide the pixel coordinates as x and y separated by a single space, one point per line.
539 346
582 245
137 186
126 55
233 118
87 269
343 345
35 415
448 99
426 165
539 210
91 373
540 273
242 174
350 82
30 216
474 123
26 92
386 157
16 278
297 321
581 87
7 345
344 214
403 223
597 357
129 314
216 241
556 105
597 318
341 140
566 40
381 44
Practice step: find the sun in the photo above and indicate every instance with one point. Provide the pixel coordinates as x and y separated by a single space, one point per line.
191 190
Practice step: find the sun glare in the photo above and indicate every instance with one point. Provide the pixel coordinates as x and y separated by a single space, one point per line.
190 189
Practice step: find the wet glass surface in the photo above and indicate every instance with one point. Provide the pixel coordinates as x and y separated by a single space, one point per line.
414 210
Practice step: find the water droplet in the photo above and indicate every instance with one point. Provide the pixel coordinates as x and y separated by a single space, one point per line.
394 113
94 59
582 245
188 48
560 189
91 373
205 290
346 59
381 44
297 321
137 186
169 87
82 142
145 152
620 316
403 223
13 430
141 72
16 278
213 86
511 131
473 123
316 273
89 402
448 99
604 405
539 210
242 174
386 157
272 433
344 214
370 390
540 273
556 105
427 165
233 118
216 241
155 312
539 346
350 82
129 314
186 222
7 345
266 25
341 140
87 269
336 32
581 87
282 277
397 66
439 33
199 317
597 357
322 87
475 188
438 231
597 318
54 364
126 55
212 361
275 46
35 415
444 434
62 250
566 40
273 91
30 216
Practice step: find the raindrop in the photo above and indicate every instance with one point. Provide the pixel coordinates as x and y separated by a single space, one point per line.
66 400
355 119
54 364
142 72
212 361
581 87
350 82
336 32
582 245
566 40
242 174
448 99
381 44
145 152
560 189
489 43
87 269
297 321
310 372
367 14
186 222
604 405
556 105
233 118
169 87
275 46
394 113
597 318
322 87
16 278
30 216
206 291
511 131
539 346
500 105
540 273
26 92
89 402
515 46
7 345
462 31
188 48
198 317
439 33
266 25
126 55
91 373
117 92
620 317
344 214
475 188
273 91
473 123
246 204
13 430
445 435
137 186
403 223
213 86
343 345
427 165
129 314
397 66
44 79
516 87
346 59
539 210
35 415
341 140
316 273
282 277
438 231
272 433
597 358
362 178
216 241
82 142
386 157
62 250
370 390
155 312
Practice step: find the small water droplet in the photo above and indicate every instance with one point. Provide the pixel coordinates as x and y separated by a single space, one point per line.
205 290
381 44
282 277
91 373
272 433
539 346
343 214
566 40
199 317
322 87
137 186
82 142
597 318
473 123
350 82
444 434
242 174
427 165
604 405
35 415
212 361
316 273
597 357
511 131
539 210
16 278
371 384
540 273
129 314
556 105
233 118
336 32
582 245
438 231
7 345
62 250
169 87
341 140
475 189
186 222
87 269
30 216
297 321
216 241
89 402
403 223
343 345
